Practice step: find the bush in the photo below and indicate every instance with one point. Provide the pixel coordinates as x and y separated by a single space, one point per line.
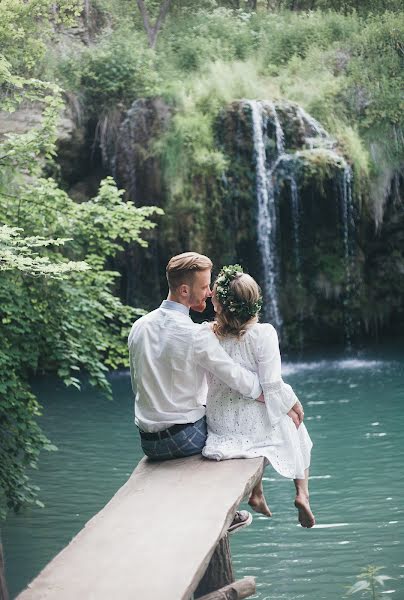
118 71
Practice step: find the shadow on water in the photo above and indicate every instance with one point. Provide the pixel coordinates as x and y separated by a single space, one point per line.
352 405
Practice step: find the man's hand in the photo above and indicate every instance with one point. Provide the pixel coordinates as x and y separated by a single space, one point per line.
261 398
298 409
296 413
294 416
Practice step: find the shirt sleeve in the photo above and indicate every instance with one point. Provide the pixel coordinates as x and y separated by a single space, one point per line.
209 354
279 396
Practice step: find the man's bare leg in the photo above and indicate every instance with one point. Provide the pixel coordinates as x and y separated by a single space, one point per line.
306 517
257 500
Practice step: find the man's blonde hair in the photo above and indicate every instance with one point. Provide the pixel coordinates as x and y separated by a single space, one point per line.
181 268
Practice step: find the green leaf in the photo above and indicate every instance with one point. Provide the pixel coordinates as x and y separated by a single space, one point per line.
359 586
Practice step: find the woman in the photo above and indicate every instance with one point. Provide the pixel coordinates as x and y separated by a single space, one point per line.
239 427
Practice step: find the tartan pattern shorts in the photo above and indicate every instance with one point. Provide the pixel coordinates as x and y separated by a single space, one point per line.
186 442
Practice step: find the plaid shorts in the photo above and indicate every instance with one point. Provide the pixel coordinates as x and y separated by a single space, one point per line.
186 442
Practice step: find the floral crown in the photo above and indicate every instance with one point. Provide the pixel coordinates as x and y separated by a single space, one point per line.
239 308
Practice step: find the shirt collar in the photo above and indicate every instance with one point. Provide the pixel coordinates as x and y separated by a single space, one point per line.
171 305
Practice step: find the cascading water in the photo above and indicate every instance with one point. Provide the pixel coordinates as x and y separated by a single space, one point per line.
315 133
348 225
294 198
280 136
295 212
266 218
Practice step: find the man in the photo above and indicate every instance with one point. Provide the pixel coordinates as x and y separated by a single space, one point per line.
169 357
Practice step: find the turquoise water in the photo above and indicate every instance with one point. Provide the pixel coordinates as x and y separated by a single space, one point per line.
354 414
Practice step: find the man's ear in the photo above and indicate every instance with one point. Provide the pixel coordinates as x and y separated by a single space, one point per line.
184 290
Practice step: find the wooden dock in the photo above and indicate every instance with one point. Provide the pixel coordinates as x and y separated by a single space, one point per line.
155 539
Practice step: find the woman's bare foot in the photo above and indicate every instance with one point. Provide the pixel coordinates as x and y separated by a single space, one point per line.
259 505
306 517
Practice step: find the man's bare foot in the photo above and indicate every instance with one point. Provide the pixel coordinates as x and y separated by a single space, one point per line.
306 517
259 505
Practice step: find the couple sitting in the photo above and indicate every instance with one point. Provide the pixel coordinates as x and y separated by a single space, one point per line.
232 366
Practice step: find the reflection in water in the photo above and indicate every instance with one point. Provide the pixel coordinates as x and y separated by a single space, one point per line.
353 409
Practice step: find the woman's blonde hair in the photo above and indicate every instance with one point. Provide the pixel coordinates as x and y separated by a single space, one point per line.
181 268
245 289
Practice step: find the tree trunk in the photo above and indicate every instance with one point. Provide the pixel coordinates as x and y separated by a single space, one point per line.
152 31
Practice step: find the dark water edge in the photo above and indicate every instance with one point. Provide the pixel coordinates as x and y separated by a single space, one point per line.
354 408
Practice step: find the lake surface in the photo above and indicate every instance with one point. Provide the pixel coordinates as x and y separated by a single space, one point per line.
354 413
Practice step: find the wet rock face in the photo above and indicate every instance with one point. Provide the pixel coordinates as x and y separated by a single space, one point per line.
327 275
284 209
136 167
382 308
291 191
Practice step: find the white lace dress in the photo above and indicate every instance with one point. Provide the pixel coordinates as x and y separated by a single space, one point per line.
239 427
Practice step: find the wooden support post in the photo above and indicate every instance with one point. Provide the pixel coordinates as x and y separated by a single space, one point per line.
219 572
243 588
3 585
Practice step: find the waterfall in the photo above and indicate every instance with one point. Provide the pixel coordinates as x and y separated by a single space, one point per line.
308 121
280 136
280 160
295 212
348 227
266 217
294 197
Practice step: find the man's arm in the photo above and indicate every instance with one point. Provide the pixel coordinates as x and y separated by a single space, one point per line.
209 354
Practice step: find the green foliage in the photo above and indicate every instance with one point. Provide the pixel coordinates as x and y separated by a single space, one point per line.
196 37
287 35
376 71
370 583
58 310
25 27
21 254
192 161
118 70
20 435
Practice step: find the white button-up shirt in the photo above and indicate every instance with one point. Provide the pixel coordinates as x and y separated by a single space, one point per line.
169 356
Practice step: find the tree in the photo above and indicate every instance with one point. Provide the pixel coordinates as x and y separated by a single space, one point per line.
58 310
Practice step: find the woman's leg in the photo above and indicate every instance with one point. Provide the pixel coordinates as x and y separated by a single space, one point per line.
257 500
306 517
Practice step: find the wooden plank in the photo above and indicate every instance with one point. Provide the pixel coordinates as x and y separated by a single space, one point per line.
243 588
155 538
